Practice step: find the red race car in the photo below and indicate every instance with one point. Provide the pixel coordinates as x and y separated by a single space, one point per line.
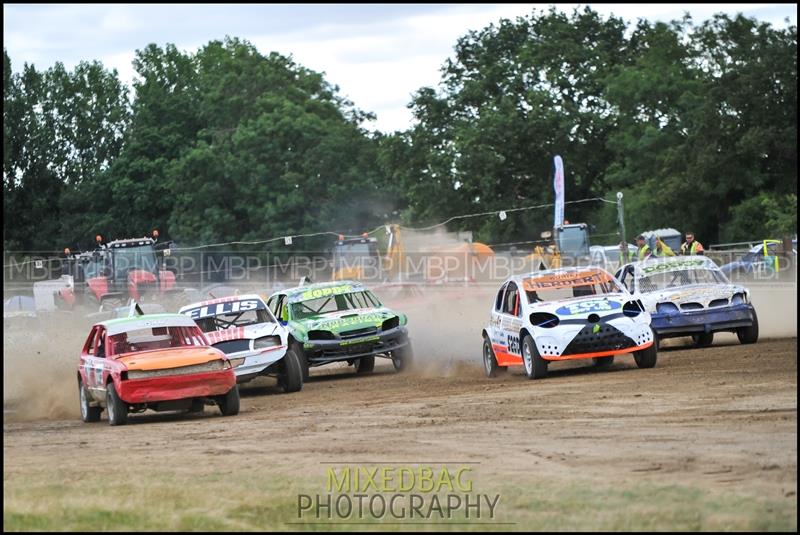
157 361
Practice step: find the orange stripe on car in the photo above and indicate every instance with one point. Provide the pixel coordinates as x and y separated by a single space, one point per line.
504 358
594 354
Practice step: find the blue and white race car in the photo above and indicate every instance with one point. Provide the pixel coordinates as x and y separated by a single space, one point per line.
691 296
242 327
565 314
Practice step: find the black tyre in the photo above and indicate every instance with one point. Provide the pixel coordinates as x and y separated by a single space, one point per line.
490 365
365 364
402 358
117 409
229 403
703 339
603 362
646 358
303 360
749 335
88 413
535 365
291 378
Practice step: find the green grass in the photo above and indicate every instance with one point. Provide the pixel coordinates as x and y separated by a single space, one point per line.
255 500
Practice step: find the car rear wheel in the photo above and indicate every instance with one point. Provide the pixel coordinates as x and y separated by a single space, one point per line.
365 364
646 358
749 335
291 378
490 365
229 403
402 357
535 365
88 413
603 362
703 339
117 409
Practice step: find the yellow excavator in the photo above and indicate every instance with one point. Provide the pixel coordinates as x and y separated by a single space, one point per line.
360 259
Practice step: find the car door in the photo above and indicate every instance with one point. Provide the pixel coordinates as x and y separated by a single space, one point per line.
93 360
511 319
496 336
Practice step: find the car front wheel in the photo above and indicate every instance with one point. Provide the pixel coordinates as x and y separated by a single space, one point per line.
749 335
402 357
646 358
365 364
302 358
229 403
117 409
535 365
291 378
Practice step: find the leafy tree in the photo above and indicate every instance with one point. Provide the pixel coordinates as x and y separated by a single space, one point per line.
514 96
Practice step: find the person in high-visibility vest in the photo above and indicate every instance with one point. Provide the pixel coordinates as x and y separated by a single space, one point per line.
631 253
690 246
662 249
643 252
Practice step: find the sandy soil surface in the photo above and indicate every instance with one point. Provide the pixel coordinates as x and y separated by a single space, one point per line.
721 418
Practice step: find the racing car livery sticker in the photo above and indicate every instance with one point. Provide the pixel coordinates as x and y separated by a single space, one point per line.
670 266
565 280
325 292
598 305
229 307
344 322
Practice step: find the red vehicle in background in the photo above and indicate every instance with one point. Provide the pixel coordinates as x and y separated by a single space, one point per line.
158 361
115 272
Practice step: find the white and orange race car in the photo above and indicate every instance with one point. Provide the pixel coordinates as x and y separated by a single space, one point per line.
565 314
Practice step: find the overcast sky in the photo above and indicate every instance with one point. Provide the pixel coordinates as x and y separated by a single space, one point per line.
378 55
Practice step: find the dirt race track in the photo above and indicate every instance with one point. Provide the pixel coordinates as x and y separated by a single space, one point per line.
706 440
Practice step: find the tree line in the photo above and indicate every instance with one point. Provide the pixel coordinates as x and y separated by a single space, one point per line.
695 123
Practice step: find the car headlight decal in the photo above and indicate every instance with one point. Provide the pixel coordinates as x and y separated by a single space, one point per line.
632 308
738 299
544 319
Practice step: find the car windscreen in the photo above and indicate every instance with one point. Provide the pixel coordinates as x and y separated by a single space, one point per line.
677 278
155 338
334 303
558 286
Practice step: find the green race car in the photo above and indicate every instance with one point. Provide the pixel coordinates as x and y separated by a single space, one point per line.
341 321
